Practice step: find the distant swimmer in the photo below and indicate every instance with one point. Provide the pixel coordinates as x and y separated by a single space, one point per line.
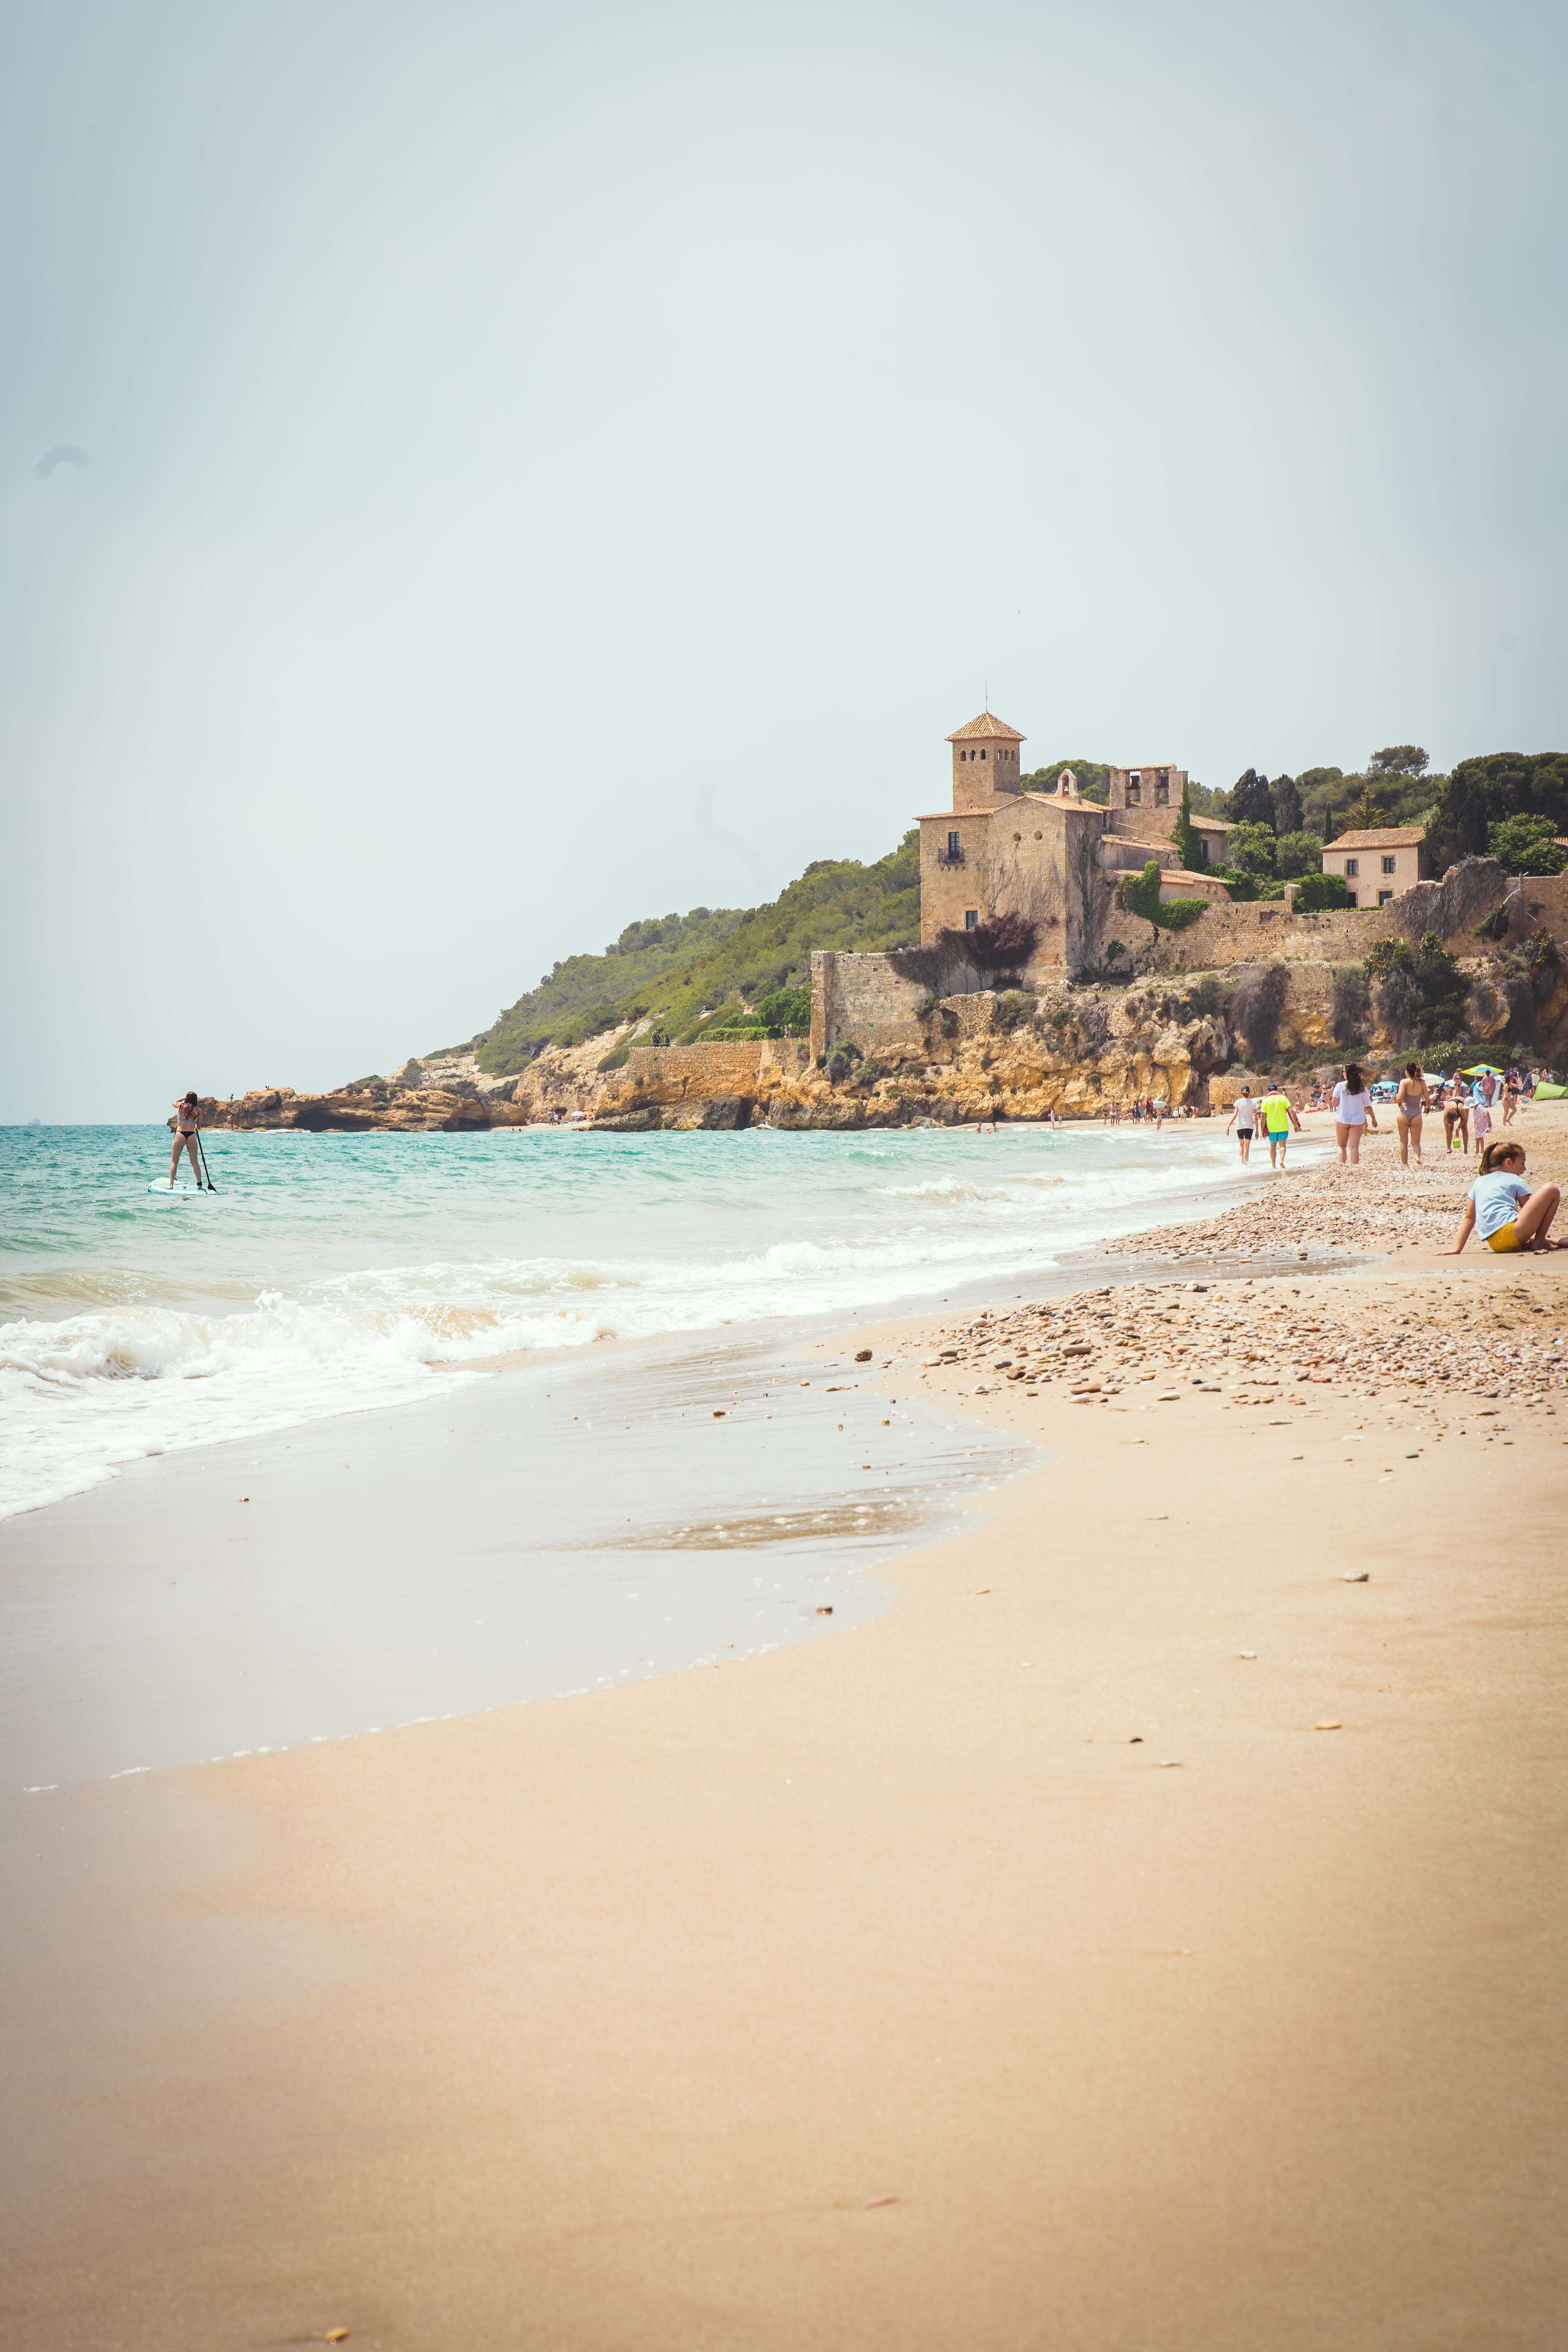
187 1127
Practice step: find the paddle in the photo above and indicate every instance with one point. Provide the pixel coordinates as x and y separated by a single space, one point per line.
201 1148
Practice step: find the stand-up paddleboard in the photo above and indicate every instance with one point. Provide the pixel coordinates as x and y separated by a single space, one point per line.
173 1192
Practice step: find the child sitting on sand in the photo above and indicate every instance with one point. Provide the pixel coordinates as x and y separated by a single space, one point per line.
1501 1207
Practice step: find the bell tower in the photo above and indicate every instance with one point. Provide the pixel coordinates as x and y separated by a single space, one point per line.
986 765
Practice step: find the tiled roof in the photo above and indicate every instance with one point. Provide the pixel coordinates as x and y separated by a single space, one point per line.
1388 836
1208 824
987 724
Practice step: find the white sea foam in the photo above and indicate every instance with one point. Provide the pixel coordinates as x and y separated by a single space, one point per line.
387 1273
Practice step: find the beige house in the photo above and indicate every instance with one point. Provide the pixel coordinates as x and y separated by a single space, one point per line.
1378 866
1051 858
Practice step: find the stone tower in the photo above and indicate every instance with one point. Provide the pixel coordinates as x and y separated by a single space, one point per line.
985 762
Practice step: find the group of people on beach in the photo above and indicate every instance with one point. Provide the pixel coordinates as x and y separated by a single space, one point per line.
1500 1205
1274 1114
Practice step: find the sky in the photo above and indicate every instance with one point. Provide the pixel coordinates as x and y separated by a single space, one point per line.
473 474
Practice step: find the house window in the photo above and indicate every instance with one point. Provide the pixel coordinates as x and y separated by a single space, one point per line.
1385 898
1351 897
1134 792
1352 866
954 844
972 919
1202 849
1388 864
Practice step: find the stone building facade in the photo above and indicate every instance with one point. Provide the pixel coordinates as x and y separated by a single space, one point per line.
1050 859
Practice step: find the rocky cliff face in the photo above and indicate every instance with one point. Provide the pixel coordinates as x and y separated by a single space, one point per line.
1068 1050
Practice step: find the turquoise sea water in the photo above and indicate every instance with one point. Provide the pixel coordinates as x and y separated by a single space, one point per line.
330 1273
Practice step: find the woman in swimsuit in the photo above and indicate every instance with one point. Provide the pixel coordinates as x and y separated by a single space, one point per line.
1409 1104
1457 1117
186 1127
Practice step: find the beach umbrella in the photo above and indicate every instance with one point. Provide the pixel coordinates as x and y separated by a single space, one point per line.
1483 1070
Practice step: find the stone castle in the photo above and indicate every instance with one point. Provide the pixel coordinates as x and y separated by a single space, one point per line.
1048 857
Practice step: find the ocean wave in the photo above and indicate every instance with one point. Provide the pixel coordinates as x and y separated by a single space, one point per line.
107 1363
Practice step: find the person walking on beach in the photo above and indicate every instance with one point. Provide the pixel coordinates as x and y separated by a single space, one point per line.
1279 1116
1243 1119
1456 1119
187 1127
1481 1109
1502 1209
1510 1098
1353 1113
1409 1105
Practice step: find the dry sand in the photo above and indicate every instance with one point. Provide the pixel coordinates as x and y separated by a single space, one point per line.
1026 1968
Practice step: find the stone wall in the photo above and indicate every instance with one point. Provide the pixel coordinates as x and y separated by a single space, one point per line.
865 1000
1267 930
691 1073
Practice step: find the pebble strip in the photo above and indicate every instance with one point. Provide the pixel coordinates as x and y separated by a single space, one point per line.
1271 1339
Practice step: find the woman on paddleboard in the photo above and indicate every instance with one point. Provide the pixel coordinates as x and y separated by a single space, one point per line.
188 1125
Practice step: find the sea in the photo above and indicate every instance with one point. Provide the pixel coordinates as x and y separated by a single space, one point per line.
327 1274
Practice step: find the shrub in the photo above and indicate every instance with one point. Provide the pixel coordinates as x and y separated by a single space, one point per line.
1003 945
1420 989
1318 892
787 1008
842 1062
616 1059
1012 1010
1177 913
1139 894
1526 845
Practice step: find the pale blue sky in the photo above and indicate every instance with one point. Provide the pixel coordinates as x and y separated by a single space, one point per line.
511 431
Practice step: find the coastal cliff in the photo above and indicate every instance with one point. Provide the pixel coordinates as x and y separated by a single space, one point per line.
1475 964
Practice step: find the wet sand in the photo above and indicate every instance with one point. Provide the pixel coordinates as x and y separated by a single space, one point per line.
1024 1966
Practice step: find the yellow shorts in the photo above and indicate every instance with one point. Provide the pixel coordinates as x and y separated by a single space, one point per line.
1505 1238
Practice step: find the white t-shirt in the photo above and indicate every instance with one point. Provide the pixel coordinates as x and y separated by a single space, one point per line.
1350 1109
1245 1111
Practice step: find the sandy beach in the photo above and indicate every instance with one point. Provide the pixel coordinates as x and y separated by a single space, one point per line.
1142 1934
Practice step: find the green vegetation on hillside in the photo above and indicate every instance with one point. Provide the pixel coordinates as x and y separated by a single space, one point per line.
686 976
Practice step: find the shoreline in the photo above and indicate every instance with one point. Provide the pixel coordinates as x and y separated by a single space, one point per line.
1035 1959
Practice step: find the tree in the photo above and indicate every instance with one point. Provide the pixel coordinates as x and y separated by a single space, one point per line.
1398 760
1248 802
1527 844
1189 847
1296 854
1250 851
1482 791
1286 804
1367 808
